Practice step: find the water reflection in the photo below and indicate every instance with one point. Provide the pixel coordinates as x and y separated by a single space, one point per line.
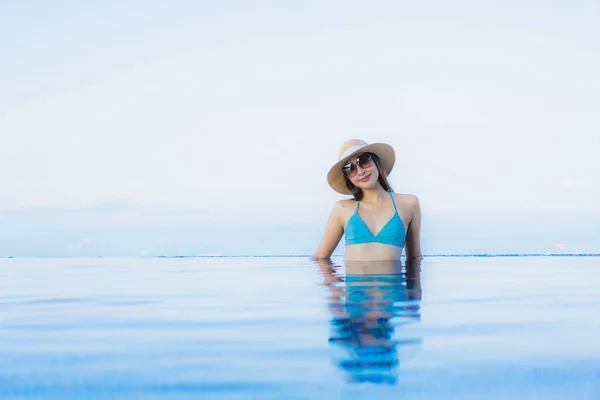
370 303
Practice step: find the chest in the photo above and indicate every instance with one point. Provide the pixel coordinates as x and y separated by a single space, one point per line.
370 220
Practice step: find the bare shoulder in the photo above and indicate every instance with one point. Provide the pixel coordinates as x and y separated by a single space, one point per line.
409 205
407 200
345 207
340 207
346 204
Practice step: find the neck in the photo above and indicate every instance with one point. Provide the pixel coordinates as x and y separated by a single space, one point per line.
374 195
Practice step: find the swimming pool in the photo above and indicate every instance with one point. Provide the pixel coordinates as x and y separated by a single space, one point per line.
286 328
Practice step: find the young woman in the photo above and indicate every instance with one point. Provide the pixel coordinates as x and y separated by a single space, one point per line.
378 224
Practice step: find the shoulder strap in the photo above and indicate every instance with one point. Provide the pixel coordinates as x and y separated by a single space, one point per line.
357 203
393 201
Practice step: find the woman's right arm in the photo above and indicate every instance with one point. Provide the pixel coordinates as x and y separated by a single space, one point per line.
334 230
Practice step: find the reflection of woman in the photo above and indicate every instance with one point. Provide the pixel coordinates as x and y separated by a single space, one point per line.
377 298
377 223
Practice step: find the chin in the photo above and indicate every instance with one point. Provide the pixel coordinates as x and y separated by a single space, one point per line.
368 185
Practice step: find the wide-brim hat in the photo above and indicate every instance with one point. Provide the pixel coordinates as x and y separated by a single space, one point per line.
351 149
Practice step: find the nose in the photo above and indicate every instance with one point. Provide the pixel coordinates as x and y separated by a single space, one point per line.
360 170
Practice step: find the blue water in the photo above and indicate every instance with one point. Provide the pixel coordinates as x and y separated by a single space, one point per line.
286 328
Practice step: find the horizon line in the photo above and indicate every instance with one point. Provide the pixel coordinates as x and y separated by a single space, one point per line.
458 255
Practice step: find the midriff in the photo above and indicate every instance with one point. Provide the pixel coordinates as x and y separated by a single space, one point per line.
372 252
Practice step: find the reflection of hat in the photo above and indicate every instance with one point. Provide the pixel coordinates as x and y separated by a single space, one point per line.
354 147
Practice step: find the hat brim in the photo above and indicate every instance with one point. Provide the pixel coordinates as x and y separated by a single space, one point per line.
385 153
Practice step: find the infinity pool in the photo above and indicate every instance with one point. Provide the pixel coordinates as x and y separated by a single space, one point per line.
287 328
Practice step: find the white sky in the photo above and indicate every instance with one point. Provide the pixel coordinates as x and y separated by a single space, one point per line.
217 104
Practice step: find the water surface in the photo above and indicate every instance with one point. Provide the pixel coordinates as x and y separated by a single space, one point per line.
272 328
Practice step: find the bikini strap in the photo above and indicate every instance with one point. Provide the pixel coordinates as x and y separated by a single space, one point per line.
357 203
393 201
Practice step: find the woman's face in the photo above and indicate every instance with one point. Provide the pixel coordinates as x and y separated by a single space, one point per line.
362 171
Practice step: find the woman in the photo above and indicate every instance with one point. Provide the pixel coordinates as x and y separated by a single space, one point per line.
378 224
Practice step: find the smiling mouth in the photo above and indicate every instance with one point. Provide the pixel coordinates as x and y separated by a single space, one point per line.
365 178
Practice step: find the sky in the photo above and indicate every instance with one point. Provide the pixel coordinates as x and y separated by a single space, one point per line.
231 104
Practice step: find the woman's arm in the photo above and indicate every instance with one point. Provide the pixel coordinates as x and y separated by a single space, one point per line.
333 234
413 235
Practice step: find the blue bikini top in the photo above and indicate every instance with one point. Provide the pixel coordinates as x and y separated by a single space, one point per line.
393 233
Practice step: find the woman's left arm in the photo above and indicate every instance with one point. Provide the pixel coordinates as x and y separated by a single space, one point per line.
413 235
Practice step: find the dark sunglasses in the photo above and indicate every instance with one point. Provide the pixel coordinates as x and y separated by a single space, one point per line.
364 161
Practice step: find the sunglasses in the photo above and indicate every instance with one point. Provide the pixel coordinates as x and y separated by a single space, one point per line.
364 161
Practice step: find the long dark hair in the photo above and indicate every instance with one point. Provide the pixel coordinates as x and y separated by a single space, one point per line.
357 192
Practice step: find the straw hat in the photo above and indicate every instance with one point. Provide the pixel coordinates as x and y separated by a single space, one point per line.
352 148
